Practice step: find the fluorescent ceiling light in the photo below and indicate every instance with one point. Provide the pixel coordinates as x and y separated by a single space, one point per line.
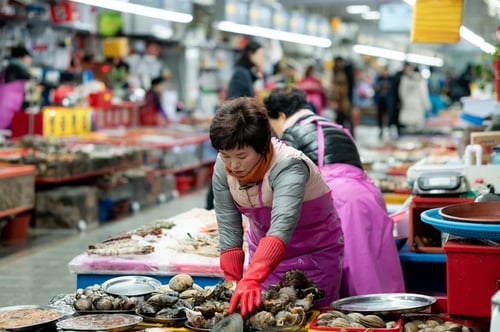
378 51
469 36
357 9
476 40
273 34
424 59
373 15
398 55
132 8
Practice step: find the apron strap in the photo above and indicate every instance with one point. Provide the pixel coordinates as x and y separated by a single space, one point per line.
320 122
261 200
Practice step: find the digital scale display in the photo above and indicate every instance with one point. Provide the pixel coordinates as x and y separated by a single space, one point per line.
440 183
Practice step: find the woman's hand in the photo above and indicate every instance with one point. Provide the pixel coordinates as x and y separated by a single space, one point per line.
248 295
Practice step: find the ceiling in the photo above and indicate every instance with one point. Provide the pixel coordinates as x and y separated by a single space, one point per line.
475 17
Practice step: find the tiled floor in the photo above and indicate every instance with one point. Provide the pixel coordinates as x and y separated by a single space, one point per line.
36 273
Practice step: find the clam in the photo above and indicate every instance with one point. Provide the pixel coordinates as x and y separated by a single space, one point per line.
181 282
162 300
355 317
411 327
340 322
372 321
83 305
103 303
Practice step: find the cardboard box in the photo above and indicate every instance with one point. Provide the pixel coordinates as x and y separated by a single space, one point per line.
487 139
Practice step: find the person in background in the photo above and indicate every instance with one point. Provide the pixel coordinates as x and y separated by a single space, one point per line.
394 123
371 260
14 85
383 98
152 112
248 68
292 221
342 92
314 90
415 101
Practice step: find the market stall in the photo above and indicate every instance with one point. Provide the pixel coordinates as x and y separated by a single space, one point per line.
186 243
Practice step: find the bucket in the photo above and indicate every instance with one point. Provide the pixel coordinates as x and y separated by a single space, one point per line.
16 229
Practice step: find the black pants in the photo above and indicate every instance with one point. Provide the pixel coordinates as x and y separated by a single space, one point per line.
210 197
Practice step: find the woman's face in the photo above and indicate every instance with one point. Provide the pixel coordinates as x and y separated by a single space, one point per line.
258 58
277 124
240 161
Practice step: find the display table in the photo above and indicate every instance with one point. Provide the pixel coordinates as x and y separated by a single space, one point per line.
190 246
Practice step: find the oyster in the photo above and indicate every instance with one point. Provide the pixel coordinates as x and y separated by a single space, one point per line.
262 320
231 323
162 300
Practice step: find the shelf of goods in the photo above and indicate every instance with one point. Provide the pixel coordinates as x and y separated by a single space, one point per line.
17 192
185 243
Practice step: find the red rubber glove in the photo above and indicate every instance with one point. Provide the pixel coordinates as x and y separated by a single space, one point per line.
231 263
270 251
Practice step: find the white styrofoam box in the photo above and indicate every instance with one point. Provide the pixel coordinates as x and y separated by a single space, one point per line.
480 107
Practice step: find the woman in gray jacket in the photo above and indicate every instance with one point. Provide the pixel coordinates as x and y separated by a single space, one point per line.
292 221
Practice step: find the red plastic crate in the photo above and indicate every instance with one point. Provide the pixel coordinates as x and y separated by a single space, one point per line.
419 230
473 277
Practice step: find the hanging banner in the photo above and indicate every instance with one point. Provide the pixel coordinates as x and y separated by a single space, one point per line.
437 21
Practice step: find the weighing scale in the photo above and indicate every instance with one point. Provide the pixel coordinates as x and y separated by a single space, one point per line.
440 183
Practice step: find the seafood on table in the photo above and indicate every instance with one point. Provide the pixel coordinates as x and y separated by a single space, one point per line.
287 303
335 318
12 318
171 301
203 244
137 242
94 298
433 324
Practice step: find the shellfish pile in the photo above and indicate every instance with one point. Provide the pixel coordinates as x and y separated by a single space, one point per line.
336 318
284 304
94 298
434 324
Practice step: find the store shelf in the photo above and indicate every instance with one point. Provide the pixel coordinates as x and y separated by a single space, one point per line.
184 168
16 210
107 170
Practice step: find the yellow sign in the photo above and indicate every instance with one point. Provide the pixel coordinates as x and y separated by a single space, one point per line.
63 121
437 21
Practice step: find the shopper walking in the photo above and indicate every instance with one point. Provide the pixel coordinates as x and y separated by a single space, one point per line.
371 260
394 123
248 68
342 92
13 85
315 92
383 98
292 221
415 101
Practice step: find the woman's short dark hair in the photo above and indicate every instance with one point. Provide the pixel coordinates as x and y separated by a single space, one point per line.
250 48
286 100
241 122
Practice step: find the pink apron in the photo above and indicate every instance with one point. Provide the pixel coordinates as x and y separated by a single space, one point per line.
316 245
371 259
